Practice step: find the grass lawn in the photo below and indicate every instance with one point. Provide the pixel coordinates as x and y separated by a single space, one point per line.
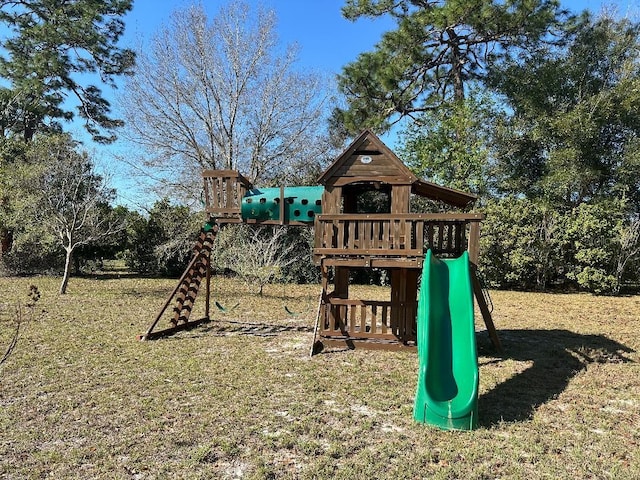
81 397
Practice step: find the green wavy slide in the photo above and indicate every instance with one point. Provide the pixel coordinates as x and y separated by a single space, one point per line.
447 392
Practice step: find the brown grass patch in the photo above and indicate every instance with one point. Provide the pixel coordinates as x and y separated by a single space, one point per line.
240 398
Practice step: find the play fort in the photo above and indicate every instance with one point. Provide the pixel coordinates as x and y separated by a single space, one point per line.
433 256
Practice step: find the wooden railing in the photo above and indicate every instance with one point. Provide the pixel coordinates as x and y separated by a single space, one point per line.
368 319
396 235
223 192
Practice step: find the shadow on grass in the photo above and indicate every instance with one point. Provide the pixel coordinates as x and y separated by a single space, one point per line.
261 329
556 355
220 328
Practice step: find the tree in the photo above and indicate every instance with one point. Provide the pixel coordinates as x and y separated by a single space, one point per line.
52 44
452 146
572 136
594 233
569 145
258 256
11 151
73 198
438 47
220 95
519 243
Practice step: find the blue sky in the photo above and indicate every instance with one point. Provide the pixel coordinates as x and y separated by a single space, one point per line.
326 43
326 39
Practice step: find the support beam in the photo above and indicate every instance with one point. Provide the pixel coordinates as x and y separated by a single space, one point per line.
484 310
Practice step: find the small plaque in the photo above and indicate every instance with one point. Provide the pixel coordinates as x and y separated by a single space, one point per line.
366 159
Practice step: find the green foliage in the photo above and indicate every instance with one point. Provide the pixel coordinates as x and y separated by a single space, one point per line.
567 158
511 243
303 269
53 202
451 146
527 245
50 44
594 232
573 135
163 242
33 249
436 49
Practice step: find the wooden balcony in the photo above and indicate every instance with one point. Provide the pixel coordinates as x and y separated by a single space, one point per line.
223 193
393 240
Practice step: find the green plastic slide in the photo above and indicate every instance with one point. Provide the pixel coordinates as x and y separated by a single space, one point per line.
447 393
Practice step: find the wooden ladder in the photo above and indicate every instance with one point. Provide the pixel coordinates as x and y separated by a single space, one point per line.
184 295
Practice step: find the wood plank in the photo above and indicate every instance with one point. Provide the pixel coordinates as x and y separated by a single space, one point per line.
474 243
395 236
385 312
372 262
436 217
376 234
366 345
389 179
356 302
371 252
224 210
366 239
215 202
229 192
419 236
374 319
380 342
352 319
349 232
341 233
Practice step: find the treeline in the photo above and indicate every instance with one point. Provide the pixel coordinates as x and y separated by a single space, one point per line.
552 150
529 106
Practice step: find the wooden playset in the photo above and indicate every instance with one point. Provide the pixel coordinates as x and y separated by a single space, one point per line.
347 238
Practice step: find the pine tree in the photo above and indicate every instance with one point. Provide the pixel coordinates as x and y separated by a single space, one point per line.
437 48
52 48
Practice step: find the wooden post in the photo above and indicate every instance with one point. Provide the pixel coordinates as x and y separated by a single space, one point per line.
341 290
474 249
323 304
207 298
473 246
282 207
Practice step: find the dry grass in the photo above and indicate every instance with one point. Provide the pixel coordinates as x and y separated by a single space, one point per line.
80 397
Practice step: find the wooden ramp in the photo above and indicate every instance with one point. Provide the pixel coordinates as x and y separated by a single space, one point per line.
184 295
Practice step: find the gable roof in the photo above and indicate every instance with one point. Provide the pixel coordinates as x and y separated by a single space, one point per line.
368 159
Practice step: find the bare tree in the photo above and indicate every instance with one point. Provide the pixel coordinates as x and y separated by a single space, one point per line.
629 248
221 94
258 255
73 198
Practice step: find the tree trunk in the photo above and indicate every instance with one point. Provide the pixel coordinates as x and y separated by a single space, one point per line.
457 64
6 241
67 270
